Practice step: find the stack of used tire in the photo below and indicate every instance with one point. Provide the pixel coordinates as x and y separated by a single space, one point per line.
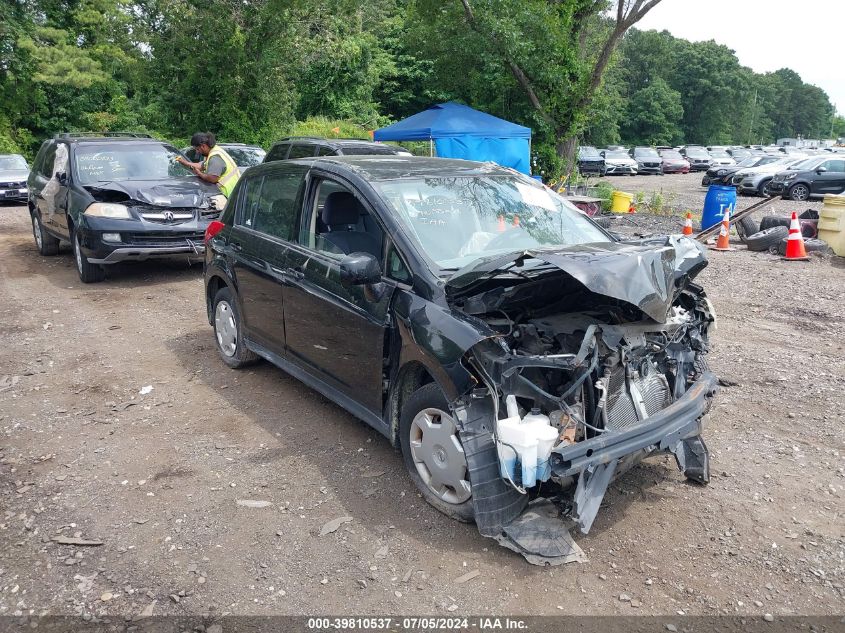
774 230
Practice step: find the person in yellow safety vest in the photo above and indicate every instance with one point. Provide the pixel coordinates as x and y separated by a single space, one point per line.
218 167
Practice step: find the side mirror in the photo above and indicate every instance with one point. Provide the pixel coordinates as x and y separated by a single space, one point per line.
821 170
61 177
360 269
602 154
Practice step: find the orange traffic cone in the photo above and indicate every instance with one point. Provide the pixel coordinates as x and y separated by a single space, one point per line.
795 250
723 243
688 225
632 208
501 226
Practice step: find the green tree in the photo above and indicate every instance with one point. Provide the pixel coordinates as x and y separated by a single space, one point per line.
653 116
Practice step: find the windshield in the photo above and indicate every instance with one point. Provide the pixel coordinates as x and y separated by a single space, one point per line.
588 152
645 151
457 220
130 161
719 153
12 162
751 161
246 156
697 152
616 153
805 163
670 153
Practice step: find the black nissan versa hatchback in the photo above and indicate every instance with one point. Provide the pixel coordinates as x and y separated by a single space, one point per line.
428 296
115 198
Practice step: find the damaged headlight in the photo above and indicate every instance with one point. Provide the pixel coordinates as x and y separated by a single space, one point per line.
108 210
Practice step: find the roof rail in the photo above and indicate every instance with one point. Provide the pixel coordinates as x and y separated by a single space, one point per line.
102 134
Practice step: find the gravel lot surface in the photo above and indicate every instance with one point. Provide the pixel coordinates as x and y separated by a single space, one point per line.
684 192
165 479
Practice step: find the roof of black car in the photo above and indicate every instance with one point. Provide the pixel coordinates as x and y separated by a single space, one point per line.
335 142
374 167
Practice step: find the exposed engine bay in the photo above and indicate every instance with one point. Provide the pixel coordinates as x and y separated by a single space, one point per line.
617 375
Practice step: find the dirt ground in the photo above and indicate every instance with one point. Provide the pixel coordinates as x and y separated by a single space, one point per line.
155 476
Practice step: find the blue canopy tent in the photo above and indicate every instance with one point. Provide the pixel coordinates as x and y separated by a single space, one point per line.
458 131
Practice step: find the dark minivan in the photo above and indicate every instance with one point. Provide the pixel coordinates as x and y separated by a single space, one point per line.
444 301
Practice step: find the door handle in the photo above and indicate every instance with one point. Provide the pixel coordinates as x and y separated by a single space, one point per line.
296 273
236 247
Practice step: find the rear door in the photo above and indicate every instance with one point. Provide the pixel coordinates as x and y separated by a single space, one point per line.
273 225
41 172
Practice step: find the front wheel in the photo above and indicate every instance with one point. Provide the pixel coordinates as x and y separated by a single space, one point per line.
88 272
433 454
799 192
763 188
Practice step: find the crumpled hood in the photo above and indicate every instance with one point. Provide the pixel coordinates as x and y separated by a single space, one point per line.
645 273
14 175
176 193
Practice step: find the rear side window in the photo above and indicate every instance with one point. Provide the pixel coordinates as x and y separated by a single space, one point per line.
277 210
277 152
250 195
326 151
302 151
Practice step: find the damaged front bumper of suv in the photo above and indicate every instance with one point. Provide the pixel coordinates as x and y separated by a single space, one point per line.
621 376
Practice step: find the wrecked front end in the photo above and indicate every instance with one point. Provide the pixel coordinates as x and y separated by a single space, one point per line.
606 345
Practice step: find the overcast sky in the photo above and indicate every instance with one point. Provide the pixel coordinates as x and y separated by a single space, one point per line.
806 36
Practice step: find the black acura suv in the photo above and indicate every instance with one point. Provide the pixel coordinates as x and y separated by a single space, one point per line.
432 298
117 197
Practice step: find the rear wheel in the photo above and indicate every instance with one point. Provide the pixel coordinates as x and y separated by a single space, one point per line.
46 243
88 272
228 331
433 454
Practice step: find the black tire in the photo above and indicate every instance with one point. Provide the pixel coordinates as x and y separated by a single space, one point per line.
429 398
228 332
762 240
769 221
89 273
811 245
799 192
762 188
746 227
44 242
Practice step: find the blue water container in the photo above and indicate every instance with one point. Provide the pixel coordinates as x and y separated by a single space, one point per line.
719 199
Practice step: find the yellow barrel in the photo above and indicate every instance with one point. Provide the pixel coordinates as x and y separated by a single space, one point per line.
832 223
620 202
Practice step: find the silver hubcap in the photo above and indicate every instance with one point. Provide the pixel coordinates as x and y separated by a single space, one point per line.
799 193
36 230
78 253
439 457
226 328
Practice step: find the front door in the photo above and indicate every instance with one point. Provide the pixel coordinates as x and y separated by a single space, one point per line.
832 180
334 331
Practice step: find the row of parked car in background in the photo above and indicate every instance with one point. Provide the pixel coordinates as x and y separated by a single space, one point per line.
791 172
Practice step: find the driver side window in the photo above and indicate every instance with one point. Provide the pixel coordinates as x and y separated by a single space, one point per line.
339 224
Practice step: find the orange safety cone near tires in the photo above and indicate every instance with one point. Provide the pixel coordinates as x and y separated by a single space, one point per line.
723 243
687 225
795 250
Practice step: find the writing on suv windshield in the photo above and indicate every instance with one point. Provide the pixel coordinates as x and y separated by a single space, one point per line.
457 220
139 162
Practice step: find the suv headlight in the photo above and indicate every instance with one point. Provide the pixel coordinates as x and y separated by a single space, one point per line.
108 210
721 172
